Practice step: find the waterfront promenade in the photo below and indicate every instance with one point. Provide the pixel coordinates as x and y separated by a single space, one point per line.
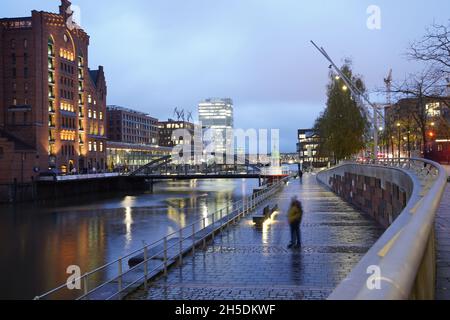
443 247
247 263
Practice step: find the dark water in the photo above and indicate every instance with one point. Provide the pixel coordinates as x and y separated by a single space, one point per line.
39 242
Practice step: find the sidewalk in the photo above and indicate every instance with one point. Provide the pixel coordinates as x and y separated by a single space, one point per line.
245 263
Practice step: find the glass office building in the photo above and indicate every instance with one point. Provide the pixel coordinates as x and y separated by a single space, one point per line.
217 115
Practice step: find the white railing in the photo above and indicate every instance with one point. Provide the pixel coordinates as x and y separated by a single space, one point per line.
401 264
116 279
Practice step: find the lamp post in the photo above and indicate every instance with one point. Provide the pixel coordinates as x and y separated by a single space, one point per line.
399 140
358 95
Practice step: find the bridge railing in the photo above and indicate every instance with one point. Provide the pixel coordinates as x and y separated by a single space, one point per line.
401 264
116 279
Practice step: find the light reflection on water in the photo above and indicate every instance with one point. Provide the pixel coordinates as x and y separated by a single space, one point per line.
39 242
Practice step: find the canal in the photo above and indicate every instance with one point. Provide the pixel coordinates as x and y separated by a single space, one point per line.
38 242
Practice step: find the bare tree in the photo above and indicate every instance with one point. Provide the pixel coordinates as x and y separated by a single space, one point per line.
422 89
434 47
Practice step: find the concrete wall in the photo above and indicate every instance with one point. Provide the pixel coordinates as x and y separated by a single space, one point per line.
405 254
381 192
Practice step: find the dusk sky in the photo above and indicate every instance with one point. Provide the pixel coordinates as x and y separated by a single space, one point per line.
159 55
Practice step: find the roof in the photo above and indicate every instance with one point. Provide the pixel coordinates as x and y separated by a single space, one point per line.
18 144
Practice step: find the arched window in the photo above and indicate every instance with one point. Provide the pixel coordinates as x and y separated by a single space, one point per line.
51 51
25 43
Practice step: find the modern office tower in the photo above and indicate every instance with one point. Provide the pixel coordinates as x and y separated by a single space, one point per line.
50 101
130 126
217 115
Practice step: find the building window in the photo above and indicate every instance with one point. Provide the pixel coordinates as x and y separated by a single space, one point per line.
13 58
25 43
101 146
13 44
95 114
95 146
25 72
90 145
89 113
14 72
100 116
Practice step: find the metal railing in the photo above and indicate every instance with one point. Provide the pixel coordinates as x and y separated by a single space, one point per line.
115 280
402 263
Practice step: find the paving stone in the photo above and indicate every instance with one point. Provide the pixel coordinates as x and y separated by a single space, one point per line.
246 263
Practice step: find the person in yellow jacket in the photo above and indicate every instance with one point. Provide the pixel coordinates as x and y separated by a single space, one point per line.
295 215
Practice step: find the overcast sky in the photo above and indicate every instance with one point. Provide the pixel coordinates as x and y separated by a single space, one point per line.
163 54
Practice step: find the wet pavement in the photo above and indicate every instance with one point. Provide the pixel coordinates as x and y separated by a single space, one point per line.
246 263
443 247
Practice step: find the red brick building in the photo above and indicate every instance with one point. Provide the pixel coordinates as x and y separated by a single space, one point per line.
49 99
130 126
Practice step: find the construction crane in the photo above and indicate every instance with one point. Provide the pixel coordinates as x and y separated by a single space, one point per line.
358 96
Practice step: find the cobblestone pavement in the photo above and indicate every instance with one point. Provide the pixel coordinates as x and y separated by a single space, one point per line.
245 263
443 247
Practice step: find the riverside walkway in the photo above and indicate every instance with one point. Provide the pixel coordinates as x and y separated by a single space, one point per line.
443 247
247 263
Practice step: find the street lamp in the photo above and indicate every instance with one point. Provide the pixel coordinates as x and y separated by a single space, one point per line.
399 140
358 95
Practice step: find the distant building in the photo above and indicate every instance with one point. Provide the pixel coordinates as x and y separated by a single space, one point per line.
217 115
403 135
169 138
308 149
50 101
130 126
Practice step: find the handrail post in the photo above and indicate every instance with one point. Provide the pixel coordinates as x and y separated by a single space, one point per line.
213 225
193 238
120 275
85 284
145 267
181 246
204 226
165 256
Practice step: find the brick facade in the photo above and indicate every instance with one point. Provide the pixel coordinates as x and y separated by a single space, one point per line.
368 195
48 95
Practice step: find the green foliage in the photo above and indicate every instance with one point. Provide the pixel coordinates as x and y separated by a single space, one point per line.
342 126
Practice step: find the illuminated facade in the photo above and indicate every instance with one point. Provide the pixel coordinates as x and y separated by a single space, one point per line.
308 149
49 98
217 115
126 157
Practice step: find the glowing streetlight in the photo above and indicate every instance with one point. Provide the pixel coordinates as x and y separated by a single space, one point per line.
344 88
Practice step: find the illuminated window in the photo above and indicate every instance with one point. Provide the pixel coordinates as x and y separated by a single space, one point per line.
95 114
89 99
95 146
101 146
89 113
100 116
90 145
